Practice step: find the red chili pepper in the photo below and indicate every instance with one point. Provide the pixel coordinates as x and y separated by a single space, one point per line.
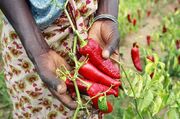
90 72
136 57
90 88
72 92
82 87
116 88
177 44
148 38
94 51
96 88
129 18
134 22
151 58
151 75
148 13
164 30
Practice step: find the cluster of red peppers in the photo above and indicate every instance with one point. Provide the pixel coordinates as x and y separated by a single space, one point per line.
130 20
100 77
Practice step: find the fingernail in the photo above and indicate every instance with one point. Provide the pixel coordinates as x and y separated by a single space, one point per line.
105 54
60 89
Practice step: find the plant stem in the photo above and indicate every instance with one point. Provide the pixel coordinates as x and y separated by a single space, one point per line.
74 46
76 112
82 42
87 84
135 100
74 81
76 64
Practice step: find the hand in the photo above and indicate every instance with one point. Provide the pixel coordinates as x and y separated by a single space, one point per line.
46 64
106 33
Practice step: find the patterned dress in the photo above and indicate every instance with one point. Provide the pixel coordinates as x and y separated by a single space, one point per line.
30 97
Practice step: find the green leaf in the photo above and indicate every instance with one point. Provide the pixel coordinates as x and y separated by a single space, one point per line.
156 58
138 88
173 114
157 105
128 113
149 67
146 101
162 65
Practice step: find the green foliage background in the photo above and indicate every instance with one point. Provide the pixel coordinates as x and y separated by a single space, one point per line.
154 97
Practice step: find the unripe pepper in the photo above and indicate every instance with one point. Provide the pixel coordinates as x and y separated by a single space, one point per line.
94 51
95 104
136 57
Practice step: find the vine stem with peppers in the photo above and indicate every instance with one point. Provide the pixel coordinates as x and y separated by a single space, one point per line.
76 64
135 100
80 104
76 71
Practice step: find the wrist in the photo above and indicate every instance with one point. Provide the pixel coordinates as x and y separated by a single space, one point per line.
105 7
106 17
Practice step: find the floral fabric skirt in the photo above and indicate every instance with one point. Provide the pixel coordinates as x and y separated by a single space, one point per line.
30 97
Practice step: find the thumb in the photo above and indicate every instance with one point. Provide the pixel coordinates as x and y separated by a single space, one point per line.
111 46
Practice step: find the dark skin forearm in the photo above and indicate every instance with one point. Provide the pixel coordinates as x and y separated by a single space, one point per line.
20 17
108 7
45 60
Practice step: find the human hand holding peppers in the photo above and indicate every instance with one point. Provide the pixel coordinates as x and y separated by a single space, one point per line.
94 51
45 60
106 33
99 38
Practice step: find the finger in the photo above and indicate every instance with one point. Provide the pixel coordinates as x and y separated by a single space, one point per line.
112 45
52 81
65 99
